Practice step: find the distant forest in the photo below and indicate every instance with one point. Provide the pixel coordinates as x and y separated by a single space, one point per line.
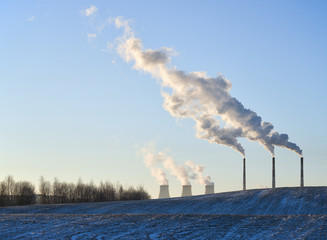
14 193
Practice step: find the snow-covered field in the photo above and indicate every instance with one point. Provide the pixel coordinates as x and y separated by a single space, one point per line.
283 213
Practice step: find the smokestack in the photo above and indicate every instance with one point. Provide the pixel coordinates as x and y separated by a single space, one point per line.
210 189
187 190
302 180
244 175
273 173
164 191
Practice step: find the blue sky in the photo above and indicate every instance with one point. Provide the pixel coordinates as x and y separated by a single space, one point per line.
71 107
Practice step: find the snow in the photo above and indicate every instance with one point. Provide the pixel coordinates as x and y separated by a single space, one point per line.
283 213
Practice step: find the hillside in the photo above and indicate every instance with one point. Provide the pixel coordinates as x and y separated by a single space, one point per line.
283 213
281 201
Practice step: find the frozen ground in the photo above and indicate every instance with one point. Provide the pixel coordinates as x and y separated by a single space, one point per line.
283 213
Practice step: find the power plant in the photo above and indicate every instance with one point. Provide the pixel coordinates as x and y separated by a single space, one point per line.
209 189
273 173
164 191
244 175
187 190
302 177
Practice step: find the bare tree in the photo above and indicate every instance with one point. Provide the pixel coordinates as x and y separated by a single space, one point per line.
10 189
71 192
3 194
24 193
106 192
79 191
45 191
56 191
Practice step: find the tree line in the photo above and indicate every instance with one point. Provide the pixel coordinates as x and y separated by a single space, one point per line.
16 193
63 192
23 192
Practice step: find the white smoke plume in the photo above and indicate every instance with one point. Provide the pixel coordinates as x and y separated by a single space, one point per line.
153 159
178 171
198 173
205 99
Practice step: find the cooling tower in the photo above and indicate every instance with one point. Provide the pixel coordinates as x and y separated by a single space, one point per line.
273 173
210 189
244 175
302 180
164 191
187 190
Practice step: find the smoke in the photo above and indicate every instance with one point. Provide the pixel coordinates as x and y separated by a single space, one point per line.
178 171
182 173
197 173
204 99
152 160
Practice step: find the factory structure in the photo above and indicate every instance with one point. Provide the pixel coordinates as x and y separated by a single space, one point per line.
186 190
273 185
164 191
209 189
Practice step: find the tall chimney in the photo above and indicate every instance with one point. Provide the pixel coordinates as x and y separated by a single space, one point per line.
302 180
244 175
187 190
164 191
273 173
209 189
